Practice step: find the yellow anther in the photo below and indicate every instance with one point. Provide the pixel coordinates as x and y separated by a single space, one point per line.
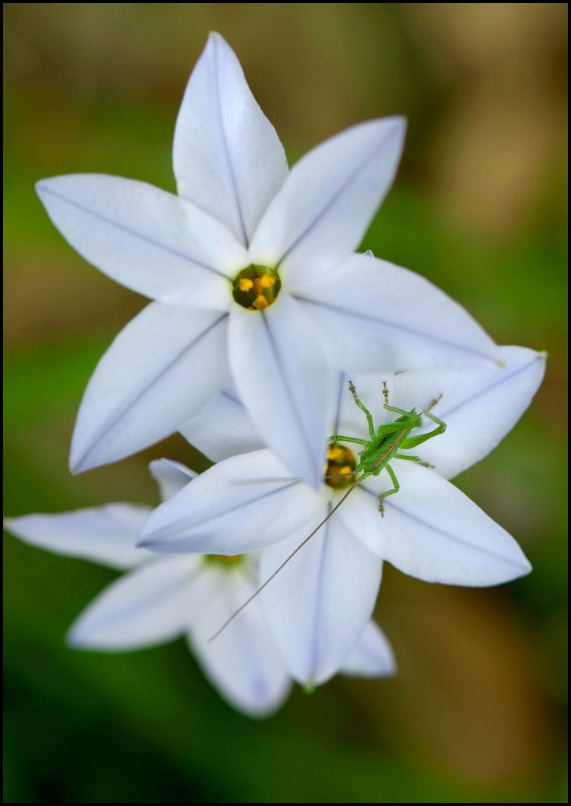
340 469
256 287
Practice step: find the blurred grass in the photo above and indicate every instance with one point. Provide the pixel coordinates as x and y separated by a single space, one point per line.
478 710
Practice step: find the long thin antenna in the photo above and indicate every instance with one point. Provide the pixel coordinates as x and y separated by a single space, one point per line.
285 562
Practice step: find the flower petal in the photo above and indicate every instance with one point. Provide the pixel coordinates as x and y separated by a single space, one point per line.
243 661
281 376
222 428
330 198
371 313
479 407
371 656
146 607
432 531
170 476
239 505
228 159
320 601
162 366
105 535
146 239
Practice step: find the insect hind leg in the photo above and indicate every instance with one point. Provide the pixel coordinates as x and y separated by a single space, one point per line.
416 459
432 404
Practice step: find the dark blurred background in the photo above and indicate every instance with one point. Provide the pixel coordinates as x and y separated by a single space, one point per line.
478 710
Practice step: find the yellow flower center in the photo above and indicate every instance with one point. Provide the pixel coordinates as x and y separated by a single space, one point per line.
223 559
256 287
339 471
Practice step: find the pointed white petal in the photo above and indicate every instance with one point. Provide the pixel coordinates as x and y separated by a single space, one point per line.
243 661
163 365
432 531
372 314
319 603
146 607
239 505
146 239
360 512
105 535
228 159
170 476
371 656
479 407
222 428
284 382
330 197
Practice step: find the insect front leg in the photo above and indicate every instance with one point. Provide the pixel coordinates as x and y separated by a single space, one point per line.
402 412
364 409
395 489
341 438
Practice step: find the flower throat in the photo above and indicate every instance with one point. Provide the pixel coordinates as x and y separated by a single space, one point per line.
256 287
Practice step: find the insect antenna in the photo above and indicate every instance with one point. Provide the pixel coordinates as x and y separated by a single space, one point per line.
285 562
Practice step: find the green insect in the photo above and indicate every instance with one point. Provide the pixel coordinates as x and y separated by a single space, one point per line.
385 444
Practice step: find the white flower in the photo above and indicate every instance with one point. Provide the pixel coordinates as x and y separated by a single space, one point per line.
324 595
252 277
161 598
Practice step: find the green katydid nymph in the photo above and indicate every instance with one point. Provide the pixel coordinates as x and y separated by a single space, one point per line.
342 470
384 445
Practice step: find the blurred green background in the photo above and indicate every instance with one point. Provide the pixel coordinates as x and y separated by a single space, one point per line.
478 710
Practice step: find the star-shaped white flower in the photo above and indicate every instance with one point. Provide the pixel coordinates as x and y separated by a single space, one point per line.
320 600
252 277
161 598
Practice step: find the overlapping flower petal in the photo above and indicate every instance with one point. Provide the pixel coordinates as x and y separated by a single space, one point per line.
162 364
250 500
429 529
104 535
479 407
162 598
371 314
328 200
239 206
321 600
372 656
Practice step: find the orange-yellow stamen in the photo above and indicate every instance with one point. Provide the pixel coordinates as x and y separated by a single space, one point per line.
340 468
256 287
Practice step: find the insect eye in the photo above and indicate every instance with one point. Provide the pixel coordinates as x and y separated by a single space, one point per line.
339 471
